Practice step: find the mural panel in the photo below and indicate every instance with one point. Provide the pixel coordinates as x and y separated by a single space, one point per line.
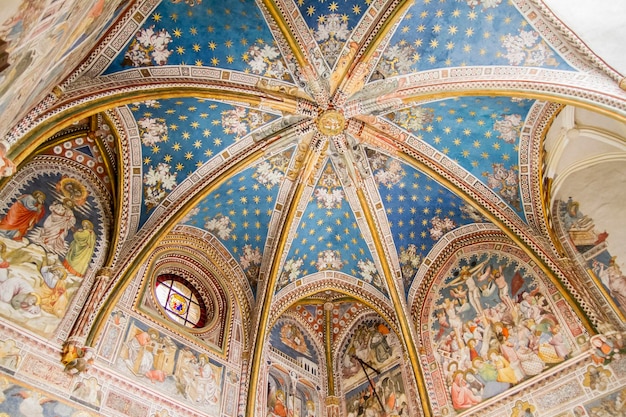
387 397
155 359
19 400
593 245
287 337
494 324
51 232
612 404
372 344
289 396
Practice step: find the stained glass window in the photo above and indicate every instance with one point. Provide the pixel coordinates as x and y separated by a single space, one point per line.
180 300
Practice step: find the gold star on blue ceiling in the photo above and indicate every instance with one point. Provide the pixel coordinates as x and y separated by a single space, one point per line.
238 213
179 135
176 34
446 33
420 211
480 134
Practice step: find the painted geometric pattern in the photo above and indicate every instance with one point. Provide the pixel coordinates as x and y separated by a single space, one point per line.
342 315
329 238
331 22
176 33
239 211
434 34
420 211
480 134
179 135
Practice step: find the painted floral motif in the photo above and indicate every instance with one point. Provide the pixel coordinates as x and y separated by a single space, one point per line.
271 172
157 183
329 259
150 104
152 131
509 127
486 4
410 261
369 273
250 262
241 120
291 271
148 48
331 34
469 212
440 227
266 61
505 182
220 226
329 193
387 171
413 119
398 59
527 49
189 216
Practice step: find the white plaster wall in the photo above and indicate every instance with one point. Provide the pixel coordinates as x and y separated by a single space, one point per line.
601 24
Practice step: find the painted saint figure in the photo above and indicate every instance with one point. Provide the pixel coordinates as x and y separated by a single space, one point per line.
23 215
81 249
56 226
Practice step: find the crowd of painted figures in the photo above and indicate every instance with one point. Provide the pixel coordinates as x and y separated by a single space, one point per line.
493 331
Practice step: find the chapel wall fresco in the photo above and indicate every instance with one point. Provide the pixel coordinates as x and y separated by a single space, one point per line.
593 249
372 352
46 39
289 393
103 390
54 232
160 361
490 323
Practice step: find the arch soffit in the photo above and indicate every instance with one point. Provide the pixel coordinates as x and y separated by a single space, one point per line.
333 281
206 256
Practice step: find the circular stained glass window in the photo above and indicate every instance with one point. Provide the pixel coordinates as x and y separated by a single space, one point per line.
180 300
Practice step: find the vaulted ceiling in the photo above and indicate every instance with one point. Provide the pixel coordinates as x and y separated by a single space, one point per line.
333 152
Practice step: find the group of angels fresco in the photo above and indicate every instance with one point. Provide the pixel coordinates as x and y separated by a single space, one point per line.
492 328
48 234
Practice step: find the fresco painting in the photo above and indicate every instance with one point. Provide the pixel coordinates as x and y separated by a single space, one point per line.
610 405
593 245
49 231
386 398
155 359
17 400
373 344
289 338
290 397
10 356
41 32
493 327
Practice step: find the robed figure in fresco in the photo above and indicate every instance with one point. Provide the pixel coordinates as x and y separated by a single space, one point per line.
81 249
23 215
56 227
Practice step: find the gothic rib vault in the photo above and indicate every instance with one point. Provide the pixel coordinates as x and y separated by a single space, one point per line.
312 208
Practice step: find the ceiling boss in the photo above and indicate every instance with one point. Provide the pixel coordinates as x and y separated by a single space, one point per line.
331 122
